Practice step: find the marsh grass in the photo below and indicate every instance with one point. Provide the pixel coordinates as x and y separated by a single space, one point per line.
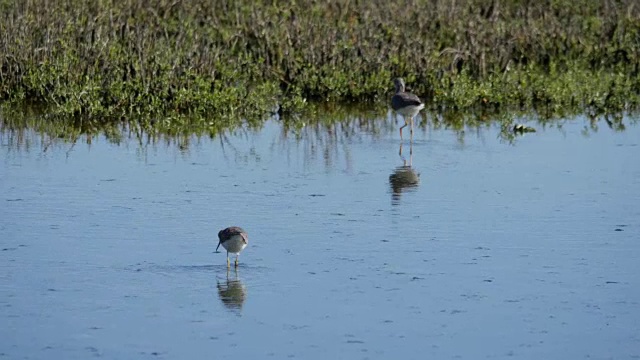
321 127
216 63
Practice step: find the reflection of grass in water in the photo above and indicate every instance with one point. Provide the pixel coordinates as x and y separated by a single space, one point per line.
330 124
22 126
326 128
223 61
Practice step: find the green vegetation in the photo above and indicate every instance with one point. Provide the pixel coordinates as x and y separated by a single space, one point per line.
325 125
211 64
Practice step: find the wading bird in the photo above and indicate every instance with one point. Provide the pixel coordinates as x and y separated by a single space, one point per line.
407 104
234 239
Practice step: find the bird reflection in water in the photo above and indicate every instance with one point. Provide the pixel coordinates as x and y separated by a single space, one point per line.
403 177
232 293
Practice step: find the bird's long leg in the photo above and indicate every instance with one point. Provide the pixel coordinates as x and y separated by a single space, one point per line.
237 256
228 264
402 127
411 127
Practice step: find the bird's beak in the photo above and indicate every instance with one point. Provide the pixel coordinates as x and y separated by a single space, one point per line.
219 242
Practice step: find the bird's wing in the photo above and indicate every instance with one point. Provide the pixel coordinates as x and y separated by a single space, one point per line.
411 98
404 99
234 230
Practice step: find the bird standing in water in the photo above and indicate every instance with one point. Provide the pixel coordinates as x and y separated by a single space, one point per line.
234 239
407 104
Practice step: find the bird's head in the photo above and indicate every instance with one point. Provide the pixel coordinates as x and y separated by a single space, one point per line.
219 239
399 84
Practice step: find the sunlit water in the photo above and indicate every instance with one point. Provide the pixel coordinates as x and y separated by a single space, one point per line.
528 250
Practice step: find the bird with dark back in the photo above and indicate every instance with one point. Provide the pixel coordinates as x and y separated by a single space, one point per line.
233 239
406 104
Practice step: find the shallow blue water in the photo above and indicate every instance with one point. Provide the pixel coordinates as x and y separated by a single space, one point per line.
527 250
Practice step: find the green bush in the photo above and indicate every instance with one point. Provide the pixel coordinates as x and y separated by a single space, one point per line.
241 59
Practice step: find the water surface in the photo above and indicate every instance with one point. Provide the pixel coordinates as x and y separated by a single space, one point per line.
467 246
